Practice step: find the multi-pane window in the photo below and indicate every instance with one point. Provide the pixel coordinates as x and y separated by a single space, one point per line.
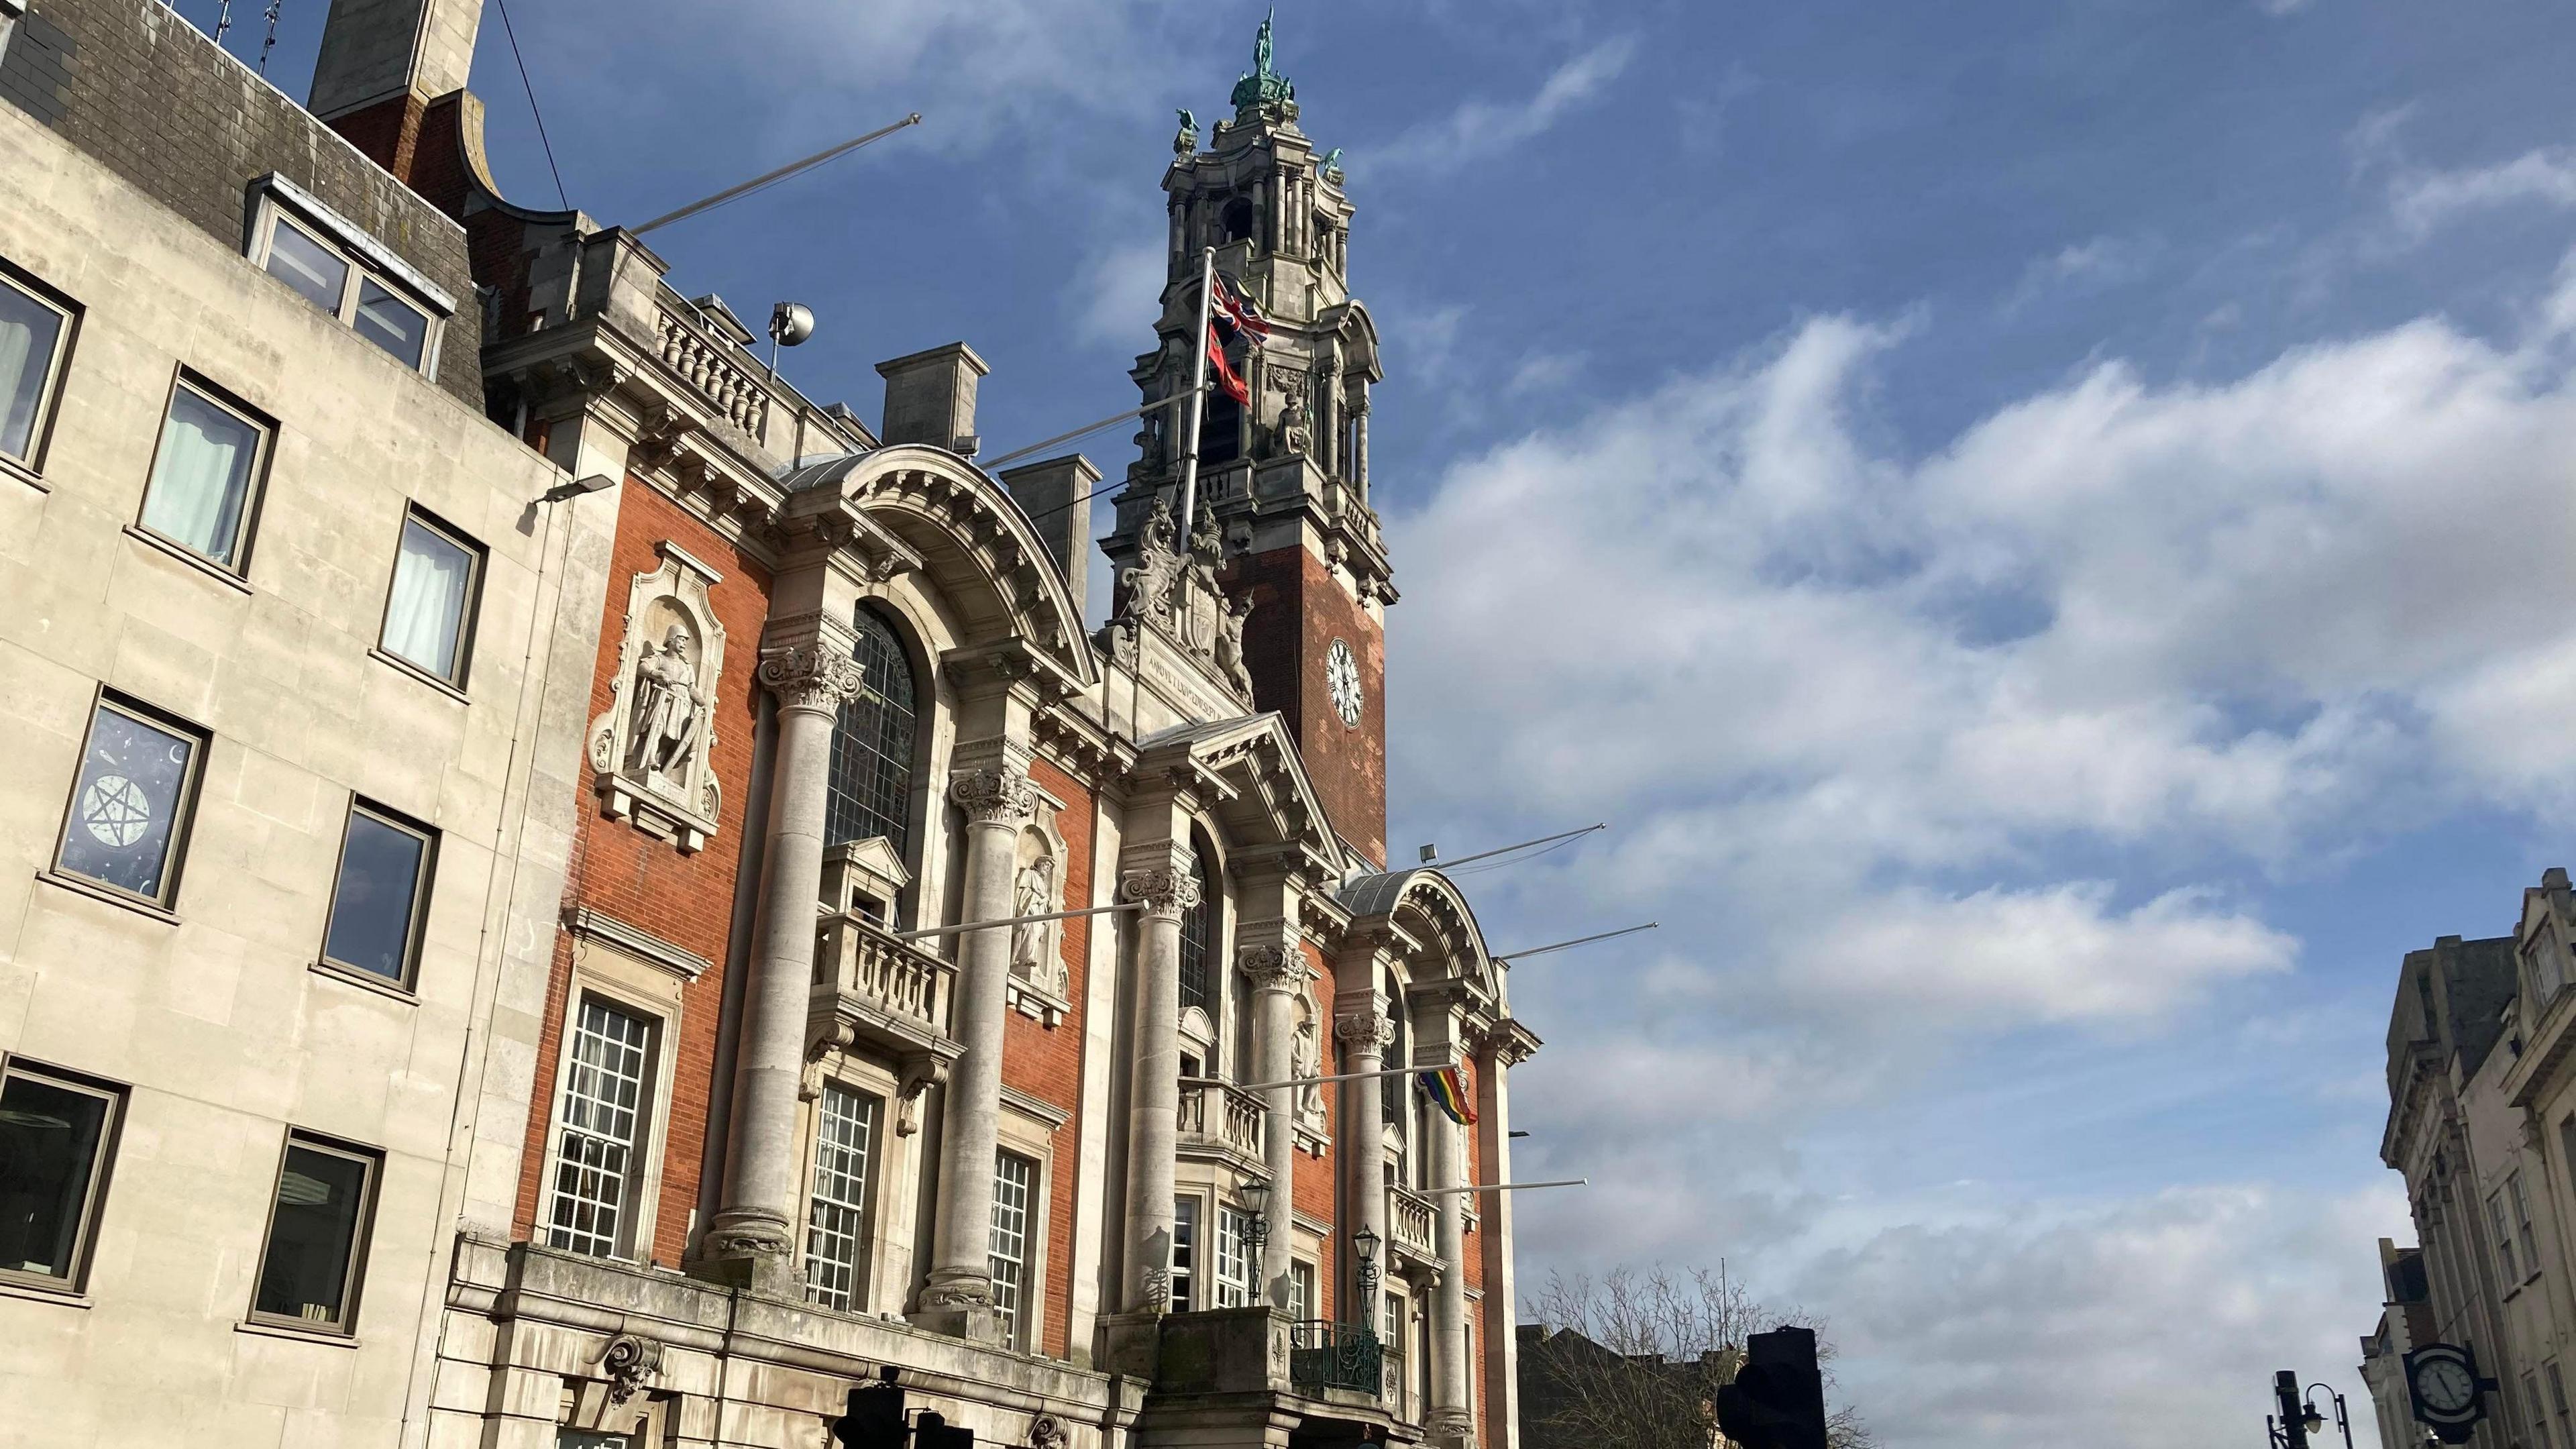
1198 938
2558 1409
600 1144
2503 1230
54 1141
1301 1291
376 903
429 613
836 1237
31 348
317 1232
1013 1177
1185 1252
205 475
2523 1235
870 790
129 810
2539 1415
1234 1268
323 275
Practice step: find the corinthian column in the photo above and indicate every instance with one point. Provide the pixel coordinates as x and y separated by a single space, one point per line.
750 1239
1364 1036
1154 1092
958 1298
1276 972
1450 1394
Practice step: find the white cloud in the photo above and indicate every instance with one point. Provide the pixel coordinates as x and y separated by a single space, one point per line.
1114 299
1862 699
2424 200
1485 128
2099 262
2134 1319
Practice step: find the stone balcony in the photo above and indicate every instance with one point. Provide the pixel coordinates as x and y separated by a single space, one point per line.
873 993
1221 1120
1229 1369
1412 1222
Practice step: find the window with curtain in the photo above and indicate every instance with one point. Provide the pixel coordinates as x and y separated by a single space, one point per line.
200 494
1199 936
429 613
870 790
31 334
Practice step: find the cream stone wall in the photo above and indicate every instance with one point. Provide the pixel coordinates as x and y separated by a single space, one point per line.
214 1017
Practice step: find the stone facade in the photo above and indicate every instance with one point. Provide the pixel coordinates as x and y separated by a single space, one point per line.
694 1107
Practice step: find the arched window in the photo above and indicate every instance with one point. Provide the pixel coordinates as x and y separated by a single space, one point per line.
1395 1092
1198 938
1238 219
870 792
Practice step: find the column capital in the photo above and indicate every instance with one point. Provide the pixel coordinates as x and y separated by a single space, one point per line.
1272 968
1365 1030
993 796
1166 890
810 676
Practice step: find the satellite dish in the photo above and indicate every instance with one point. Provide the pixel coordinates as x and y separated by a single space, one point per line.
790 323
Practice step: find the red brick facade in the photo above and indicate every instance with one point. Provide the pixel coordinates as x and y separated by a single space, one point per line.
1047 1062
646 882
1298 610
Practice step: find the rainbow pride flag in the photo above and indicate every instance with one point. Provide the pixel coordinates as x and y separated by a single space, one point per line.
1448 1089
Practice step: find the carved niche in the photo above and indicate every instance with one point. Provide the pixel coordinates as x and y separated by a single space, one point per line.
652 753
1041 984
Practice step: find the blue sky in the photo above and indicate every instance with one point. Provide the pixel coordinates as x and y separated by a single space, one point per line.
2041 525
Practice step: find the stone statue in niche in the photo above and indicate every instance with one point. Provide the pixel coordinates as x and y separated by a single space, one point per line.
652 750
1229 644
665 723
1034 895
1307 1053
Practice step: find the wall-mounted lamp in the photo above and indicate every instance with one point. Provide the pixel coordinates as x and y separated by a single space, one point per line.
595 483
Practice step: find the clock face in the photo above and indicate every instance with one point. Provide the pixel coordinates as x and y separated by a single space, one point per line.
2445 1385
1342 674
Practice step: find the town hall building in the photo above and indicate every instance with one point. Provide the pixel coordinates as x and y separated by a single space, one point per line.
509 784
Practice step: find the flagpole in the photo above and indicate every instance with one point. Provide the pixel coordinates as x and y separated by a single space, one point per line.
1198 401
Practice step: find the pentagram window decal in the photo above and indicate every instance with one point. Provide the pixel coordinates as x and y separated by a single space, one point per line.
128 809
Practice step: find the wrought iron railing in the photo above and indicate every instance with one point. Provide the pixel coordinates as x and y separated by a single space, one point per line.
1324 1355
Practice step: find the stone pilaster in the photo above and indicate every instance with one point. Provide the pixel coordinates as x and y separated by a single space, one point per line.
958 1298
751 1239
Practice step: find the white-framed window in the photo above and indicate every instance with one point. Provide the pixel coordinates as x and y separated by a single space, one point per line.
2502 1227
2523 1235
315 1255
381 894
339 280
1301 1291
429 610
836 1216
35 337
1014 1192
127 824
1185 1253
57 1136
599 1148
1234 1262
206 474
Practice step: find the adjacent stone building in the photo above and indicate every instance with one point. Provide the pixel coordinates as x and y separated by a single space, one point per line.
2483 1125
510 768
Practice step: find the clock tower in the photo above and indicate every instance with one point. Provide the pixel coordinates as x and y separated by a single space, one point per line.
1285 476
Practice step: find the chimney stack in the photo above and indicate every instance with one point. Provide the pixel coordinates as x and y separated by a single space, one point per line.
1057 495
930 398
383 62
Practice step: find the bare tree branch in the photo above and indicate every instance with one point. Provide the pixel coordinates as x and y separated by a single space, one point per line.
1635 1358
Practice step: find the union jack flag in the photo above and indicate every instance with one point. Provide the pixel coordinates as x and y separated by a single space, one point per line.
1229 308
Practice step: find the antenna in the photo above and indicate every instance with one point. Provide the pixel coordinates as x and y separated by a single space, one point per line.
270 43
